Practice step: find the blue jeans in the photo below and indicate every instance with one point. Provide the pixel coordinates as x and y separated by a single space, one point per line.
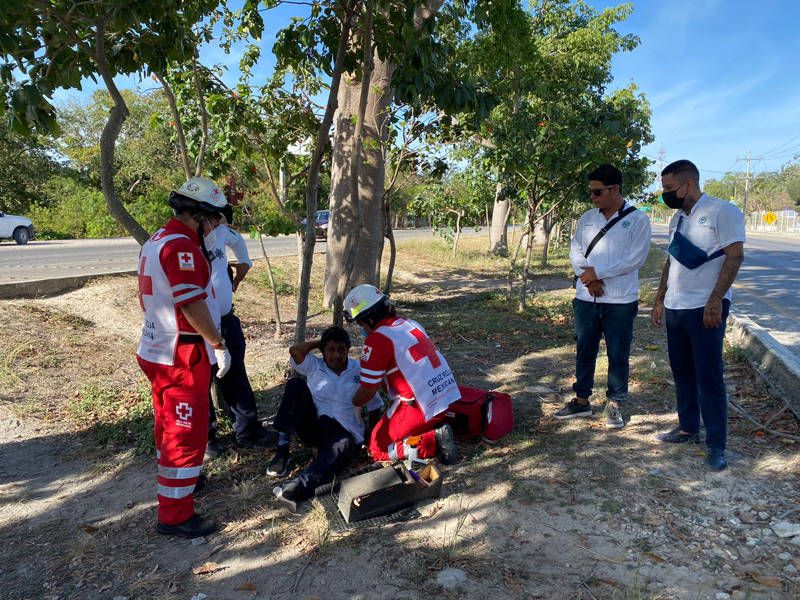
614 322
695 356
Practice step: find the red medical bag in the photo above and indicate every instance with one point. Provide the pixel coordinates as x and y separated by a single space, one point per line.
481 413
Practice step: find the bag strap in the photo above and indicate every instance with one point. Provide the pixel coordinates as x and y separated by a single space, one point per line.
621 215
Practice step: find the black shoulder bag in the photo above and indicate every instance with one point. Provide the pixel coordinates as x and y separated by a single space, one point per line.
620 215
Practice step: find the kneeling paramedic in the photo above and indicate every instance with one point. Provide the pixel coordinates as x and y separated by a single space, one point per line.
179 343
399 355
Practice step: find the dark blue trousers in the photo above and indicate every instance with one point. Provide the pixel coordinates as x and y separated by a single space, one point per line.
695 356
614 322
235 388
335 445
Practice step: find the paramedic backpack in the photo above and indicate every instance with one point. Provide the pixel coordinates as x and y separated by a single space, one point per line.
481 413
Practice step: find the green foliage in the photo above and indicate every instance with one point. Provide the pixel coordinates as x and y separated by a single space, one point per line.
71 209
551 66
464 194
50 45
25 165
773 190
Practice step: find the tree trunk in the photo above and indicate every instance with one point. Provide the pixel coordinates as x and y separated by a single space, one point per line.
312 181
108 141
523 290
498 231
173 107
458 232
547 226
389 233
351 241
372 176
513 263
271 275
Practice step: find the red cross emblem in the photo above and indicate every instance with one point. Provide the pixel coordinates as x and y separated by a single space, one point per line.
145 283
185 261
184 411
424 347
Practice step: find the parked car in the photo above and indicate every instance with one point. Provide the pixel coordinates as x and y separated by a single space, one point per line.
321 226
17 228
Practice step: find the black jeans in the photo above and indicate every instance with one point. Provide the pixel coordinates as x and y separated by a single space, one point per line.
614 322
235 388
335 445
695 356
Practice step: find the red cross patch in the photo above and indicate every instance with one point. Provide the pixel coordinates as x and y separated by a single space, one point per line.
186 261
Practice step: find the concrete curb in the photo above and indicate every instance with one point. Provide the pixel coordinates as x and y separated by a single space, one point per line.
779 368
38 288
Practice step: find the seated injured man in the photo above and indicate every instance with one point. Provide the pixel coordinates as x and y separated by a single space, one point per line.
320 411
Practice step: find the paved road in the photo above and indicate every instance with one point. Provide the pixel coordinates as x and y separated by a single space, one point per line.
65 258
767 289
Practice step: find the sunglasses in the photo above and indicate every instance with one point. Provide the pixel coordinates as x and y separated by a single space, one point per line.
599 191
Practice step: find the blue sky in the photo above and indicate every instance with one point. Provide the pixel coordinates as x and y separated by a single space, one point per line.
721 77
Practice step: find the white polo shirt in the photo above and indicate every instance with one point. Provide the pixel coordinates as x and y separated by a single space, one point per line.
712 224
216 242
333 394
616 258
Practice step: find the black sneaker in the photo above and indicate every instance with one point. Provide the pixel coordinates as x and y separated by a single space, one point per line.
194 527
260 438
574 409
446 445
279 466
676 436
287 495
213 450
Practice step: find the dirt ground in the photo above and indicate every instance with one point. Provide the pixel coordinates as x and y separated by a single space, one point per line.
555 510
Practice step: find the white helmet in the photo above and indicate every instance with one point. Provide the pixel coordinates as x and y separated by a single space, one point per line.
199 193
361 299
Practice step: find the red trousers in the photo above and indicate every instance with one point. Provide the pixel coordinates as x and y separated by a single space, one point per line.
180 407
388 439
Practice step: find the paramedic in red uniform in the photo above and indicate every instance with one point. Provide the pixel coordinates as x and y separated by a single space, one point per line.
399 354
179 343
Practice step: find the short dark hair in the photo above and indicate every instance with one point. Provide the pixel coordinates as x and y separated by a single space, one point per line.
334 334
608 174
683 169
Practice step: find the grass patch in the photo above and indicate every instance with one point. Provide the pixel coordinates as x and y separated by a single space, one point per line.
473 255
115 417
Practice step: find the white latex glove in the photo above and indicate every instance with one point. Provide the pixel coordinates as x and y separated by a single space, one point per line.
223 360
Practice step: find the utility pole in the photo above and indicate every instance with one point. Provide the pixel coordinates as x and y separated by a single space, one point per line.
746 185
662 154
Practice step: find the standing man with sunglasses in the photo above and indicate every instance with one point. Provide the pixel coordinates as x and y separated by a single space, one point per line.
706 250
610 245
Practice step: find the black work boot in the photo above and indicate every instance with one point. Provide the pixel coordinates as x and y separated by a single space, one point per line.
446 445
279 466
193 527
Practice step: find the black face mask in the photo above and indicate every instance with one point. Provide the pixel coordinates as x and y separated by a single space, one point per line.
671 199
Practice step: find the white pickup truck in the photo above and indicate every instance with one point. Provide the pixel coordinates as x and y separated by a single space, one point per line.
17 228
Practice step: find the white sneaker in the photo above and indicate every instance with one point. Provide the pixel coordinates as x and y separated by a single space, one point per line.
613 416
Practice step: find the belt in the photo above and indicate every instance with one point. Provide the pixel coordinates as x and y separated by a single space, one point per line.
189 338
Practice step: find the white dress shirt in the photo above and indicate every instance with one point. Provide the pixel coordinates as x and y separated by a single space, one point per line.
333 394
712 224
216 242
616 258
